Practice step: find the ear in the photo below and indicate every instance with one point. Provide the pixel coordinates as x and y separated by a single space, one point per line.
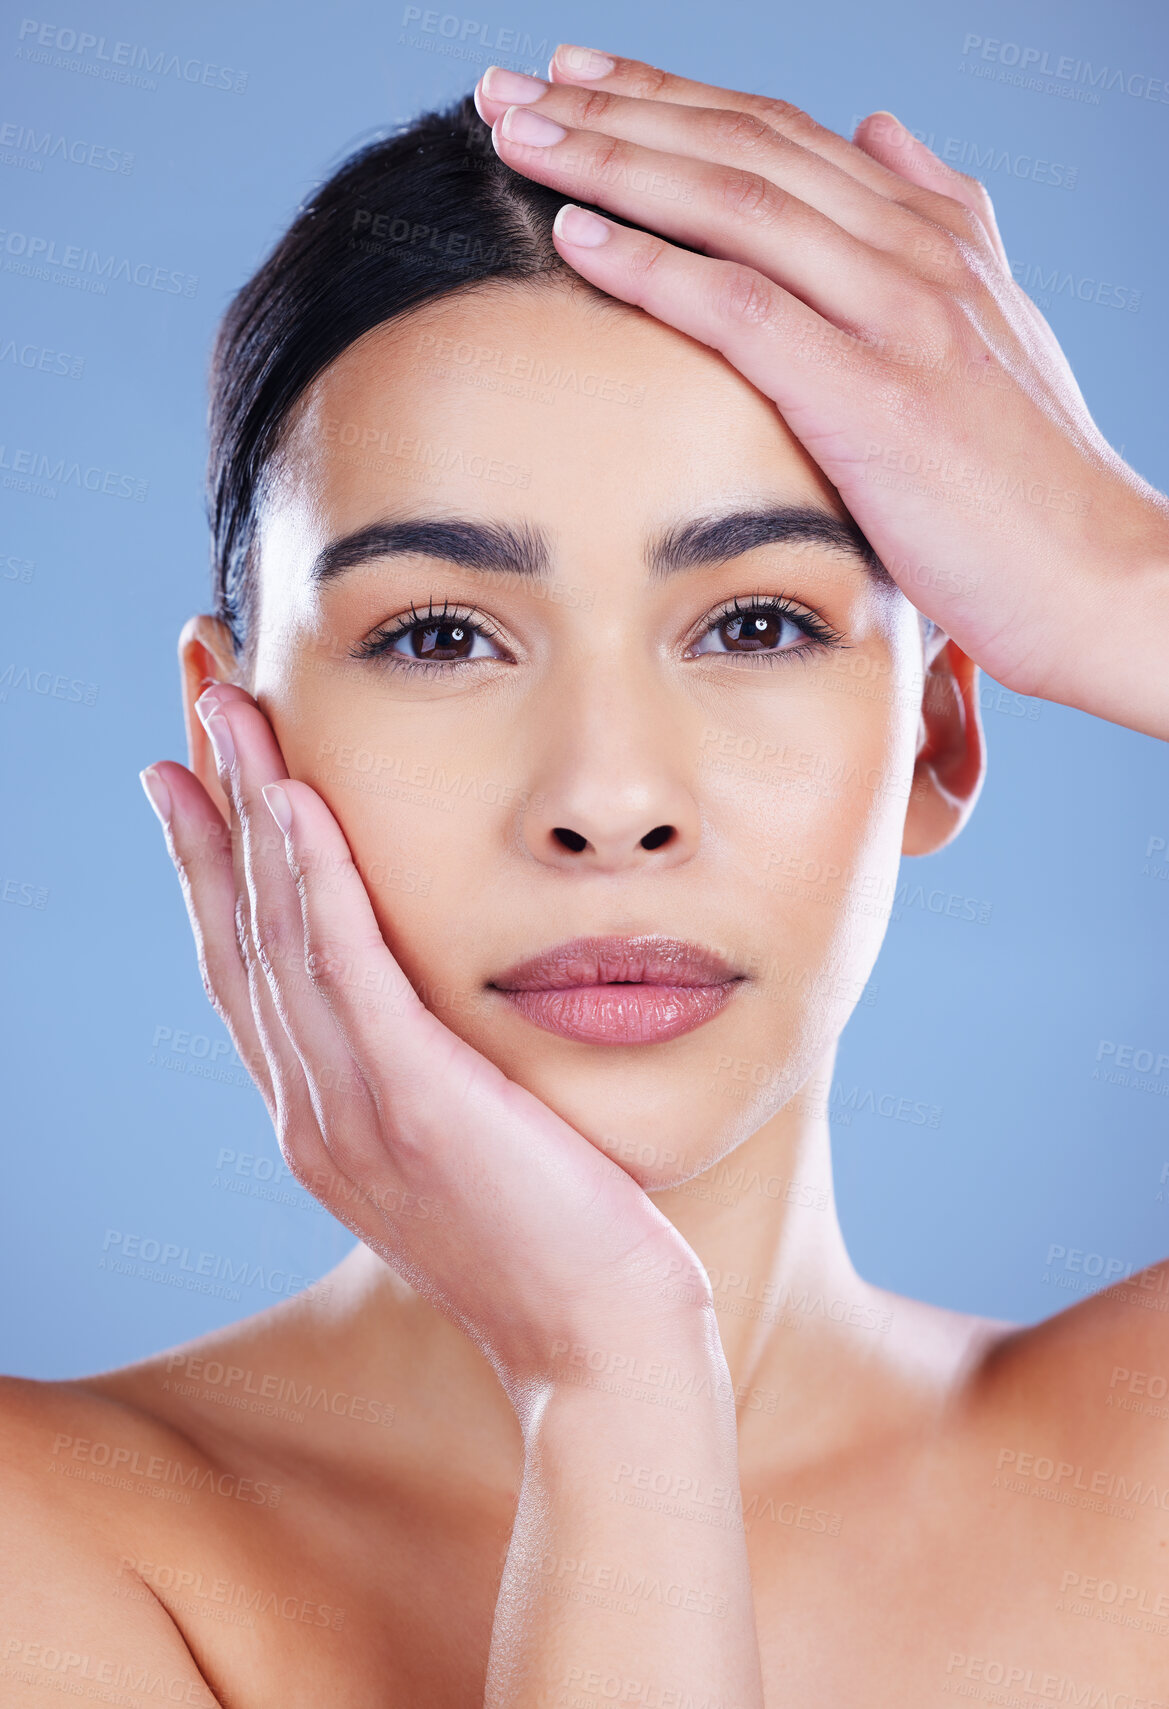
205 650
951 753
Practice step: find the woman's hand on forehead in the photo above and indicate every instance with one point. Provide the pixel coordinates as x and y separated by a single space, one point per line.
863 286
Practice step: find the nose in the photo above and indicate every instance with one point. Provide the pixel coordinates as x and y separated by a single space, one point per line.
612 792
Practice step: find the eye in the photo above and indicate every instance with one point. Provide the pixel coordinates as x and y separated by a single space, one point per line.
448 636
765 624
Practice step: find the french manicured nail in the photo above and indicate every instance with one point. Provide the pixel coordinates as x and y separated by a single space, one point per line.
577 225
219 732
583 61
894 122
207 702
157 793
519 125
278 805
512 87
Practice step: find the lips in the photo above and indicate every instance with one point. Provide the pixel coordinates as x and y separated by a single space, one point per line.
613 990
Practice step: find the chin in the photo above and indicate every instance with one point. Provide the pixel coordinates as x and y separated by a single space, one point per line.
665 1113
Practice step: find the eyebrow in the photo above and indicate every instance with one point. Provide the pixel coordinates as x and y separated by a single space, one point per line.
524 550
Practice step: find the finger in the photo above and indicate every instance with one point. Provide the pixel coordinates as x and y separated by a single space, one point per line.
200 847
313 1047
721 136
774 340
292 1110
886 139
724 211
635 78
871 168
420 1073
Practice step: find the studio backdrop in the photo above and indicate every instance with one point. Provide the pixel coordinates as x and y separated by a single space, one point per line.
1001 1098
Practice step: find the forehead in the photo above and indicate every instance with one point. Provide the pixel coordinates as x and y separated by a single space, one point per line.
542 402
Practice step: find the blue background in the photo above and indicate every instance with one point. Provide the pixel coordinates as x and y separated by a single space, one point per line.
997 1021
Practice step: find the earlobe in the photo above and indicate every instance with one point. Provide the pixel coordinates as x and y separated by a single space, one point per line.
951 757
205 650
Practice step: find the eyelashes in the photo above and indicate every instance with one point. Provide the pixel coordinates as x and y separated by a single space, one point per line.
750 618
448 630
449 637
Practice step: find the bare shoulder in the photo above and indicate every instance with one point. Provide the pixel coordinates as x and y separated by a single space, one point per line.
1104 1359
1073 1412
76 1618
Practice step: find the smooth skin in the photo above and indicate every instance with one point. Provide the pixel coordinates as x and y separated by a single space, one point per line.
598 1409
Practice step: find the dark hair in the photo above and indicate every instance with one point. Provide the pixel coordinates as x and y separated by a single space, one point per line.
404 221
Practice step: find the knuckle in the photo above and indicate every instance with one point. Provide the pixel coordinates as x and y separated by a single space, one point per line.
793 121
274 938
935 318
745 298
608 158
594 105
644 259
213 997
242 920
324 961
648 81
976 192
734 129
951 220
967 224
950 254
748 196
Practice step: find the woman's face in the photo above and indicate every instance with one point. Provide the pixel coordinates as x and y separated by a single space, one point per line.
611 721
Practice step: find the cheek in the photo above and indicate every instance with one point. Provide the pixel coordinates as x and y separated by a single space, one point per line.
418 815
810 809
812 799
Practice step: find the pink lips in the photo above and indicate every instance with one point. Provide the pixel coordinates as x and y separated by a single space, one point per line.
637 990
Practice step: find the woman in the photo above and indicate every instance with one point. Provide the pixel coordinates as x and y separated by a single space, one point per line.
598 618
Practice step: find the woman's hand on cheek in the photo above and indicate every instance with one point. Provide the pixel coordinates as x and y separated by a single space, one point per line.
489 1204
865 289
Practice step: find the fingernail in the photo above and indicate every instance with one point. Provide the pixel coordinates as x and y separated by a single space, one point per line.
207 702
219 731
577 225
278 805
157 793
883 113
583 61
520 125
512 86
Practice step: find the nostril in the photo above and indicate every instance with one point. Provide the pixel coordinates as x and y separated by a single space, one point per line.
570 839
655 838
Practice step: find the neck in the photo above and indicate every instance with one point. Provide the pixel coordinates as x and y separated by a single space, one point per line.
798 1325
808 1344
